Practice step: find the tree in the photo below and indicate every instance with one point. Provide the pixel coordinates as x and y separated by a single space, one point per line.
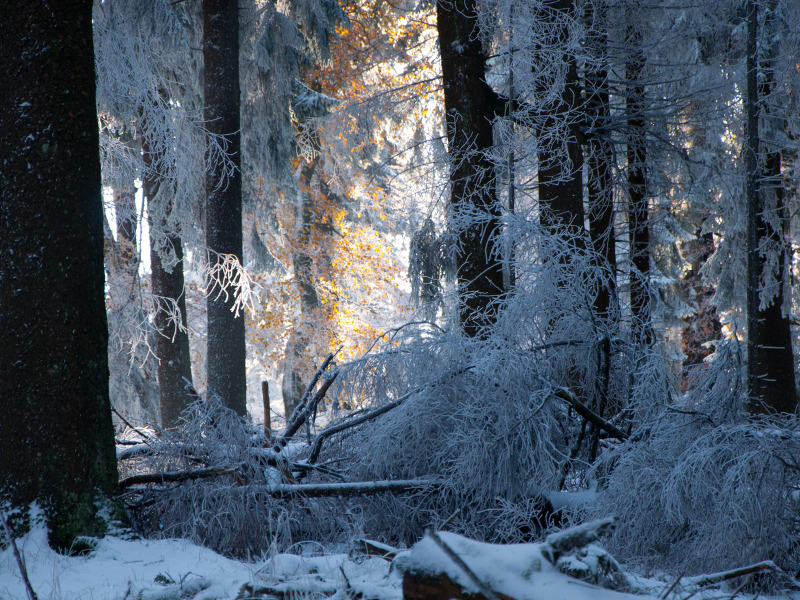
770 362
148 99
475 212
57 444
560 169
600 152
167 282
638 225
226 352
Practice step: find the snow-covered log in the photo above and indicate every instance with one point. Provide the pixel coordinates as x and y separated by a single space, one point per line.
486 571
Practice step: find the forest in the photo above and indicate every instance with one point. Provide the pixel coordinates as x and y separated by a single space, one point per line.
385 299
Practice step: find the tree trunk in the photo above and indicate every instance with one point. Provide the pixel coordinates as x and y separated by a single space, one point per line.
638 226
474 209
293 387
57 446
226 352
171 341
703 325
560 174
770 361
600 190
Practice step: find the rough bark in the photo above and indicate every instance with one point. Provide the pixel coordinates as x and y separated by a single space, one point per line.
226 352
600 182
638 226
770 362
171 342
469 105
57 446
560 175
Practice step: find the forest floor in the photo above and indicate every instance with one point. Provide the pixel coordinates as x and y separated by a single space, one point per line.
123 569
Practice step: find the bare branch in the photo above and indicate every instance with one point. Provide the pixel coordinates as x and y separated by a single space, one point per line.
360 488
300 413
589 415
20 563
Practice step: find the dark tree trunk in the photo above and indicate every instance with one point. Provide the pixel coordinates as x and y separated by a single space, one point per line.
226 337
171 342
600 190
560 175
57 442
475 212
770 361
638 226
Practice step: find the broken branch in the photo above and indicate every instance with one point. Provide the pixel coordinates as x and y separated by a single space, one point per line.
579 536
713 578
20 563
590 415
360 488
176 476
326 433
300 413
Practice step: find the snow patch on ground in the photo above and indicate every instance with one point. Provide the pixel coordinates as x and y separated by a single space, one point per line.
115 568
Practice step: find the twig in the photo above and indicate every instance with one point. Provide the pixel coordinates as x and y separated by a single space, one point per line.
124 420
20 562
463 566
450 519
334 429
373 414
672 587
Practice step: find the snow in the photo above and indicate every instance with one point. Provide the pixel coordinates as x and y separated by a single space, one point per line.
520 571
115 568
121 569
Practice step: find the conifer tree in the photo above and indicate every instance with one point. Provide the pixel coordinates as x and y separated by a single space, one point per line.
226 352
474 210
770 362
57 446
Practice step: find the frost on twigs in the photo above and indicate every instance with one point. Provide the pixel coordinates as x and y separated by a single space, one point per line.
706 488
226 275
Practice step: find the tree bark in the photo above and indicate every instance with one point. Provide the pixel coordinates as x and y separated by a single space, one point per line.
474 209
171 341
770 361
560 180
226 352
638 226
600 182
57 446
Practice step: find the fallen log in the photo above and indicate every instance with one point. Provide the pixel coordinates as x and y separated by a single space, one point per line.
458 568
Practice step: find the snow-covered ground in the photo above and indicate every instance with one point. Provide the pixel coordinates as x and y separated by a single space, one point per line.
122 569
